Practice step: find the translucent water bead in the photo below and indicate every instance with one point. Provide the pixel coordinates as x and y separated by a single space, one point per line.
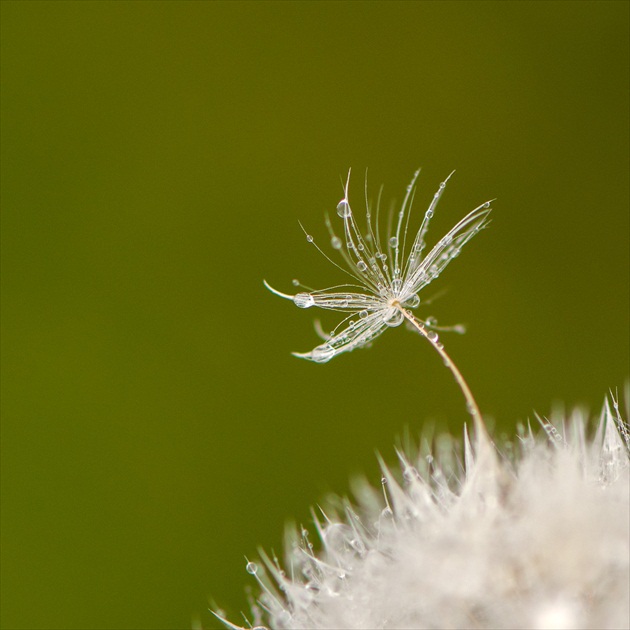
343 209
394 317
412 301
303 300
323 353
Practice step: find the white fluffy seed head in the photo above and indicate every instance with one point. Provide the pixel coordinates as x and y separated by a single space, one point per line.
532 535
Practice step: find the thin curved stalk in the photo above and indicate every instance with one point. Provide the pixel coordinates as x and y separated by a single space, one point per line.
471 403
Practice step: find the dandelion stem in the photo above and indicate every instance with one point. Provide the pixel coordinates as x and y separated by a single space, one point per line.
471 404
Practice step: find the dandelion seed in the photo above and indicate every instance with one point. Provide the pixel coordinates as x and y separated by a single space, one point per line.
383 295
380 293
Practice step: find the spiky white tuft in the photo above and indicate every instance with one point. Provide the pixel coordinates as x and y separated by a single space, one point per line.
530 535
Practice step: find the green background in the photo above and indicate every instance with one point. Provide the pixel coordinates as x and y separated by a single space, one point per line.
156 158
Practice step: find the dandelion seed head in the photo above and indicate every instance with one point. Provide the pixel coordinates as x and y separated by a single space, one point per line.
532 536
387 269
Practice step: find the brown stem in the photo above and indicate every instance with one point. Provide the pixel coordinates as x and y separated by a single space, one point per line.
471 404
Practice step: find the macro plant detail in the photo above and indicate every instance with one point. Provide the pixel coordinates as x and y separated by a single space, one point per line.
532 534
387 272
390 276
526 533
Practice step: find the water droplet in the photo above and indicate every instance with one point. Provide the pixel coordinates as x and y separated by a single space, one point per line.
252 568
393 241
431 321
303 300
323 353
295 282
440 345
360 247
309 238
397 271
397 285
394 317
361 266
459 328
351 324
412 301
486 205
409 187
343 209
428 214
432 336
363 314
385 267
383 480
442 185
335 242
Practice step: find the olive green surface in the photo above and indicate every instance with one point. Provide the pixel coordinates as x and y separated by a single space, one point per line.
156 159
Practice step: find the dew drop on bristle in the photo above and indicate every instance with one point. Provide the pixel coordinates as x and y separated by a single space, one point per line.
412 301
335 242
303 300
363 314
361 266
295 282
309 238
323 353
343 209
432 336
428 214
393 242
394 318
486 205
251 568
397 285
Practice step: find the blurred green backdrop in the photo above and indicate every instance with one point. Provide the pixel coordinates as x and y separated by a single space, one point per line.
156 157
